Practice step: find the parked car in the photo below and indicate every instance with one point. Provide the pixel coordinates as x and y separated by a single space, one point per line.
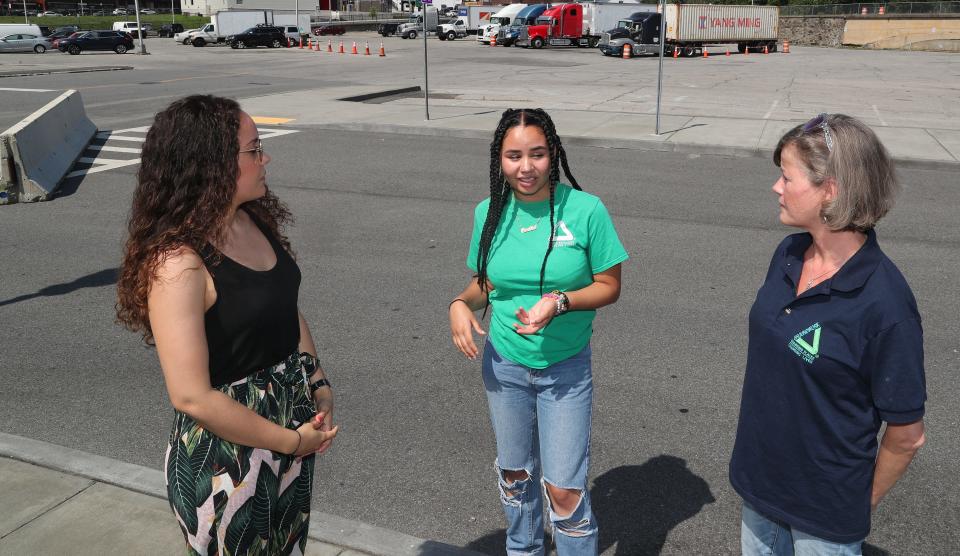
184 36
119 11
49 14
148 11
170 29
98 13
261 35
117 41
59 41
24 43
387 29
66 28
329 29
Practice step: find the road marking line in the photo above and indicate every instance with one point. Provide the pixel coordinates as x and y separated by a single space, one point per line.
268 133
772 108
113 149
269 120
27 90
879 117
102 165
109 137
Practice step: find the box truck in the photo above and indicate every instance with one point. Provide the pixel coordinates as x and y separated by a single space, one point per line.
226 23
503 18
576 24
691 27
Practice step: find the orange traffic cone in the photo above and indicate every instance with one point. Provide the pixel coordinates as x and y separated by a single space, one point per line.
366 48
383 52
627 51
301 42
676 52
766 50
354 49
289 42
330 46
705 53
728 52
746 50
317 45
493 40
786 47
341 47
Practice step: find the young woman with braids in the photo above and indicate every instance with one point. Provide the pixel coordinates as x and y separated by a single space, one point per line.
546 256
209 278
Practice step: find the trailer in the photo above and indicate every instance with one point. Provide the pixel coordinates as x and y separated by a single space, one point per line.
692 27
476 17
576 24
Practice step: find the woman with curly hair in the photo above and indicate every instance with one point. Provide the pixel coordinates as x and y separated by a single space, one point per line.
209 278
546 256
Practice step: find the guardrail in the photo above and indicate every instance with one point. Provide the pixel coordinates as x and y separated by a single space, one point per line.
918 8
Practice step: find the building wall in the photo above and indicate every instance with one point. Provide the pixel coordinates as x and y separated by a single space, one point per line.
207 7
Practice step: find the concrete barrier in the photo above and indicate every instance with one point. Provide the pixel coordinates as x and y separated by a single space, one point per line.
45 145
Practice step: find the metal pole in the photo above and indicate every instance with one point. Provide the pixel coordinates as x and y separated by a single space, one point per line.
296 17
25 18
136 6
663 29
173 13
426 82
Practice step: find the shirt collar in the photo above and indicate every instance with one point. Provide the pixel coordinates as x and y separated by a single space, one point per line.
852 275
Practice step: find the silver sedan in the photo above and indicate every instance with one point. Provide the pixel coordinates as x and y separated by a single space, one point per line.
25 43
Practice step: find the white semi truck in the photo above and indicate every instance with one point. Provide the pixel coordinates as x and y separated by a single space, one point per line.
503 18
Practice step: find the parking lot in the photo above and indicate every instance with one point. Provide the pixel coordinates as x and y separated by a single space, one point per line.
381 232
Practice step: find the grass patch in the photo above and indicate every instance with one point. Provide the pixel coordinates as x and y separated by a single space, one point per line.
106 22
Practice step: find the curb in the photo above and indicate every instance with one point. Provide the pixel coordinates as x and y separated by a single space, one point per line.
325 528
618 143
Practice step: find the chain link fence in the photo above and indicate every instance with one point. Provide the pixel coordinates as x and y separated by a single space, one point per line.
920 8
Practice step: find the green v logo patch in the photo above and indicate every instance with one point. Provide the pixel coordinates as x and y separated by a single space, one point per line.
806 344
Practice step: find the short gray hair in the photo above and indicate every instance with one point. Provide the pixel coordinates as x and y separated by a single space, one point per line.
852 154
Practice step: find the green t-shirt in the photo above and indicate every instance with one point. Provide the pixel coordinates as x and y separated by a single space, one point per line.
585 243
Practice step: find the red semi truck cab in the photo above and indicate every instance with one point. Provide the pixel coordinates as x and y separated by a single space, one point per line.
558 26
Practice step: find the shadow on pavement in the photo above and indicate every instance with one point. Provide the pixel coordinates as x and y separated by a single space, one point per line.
636 507
97 279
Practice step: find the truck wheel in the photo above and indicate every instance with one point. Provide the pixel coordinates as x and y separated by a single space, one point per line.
537 42
199 43
772 47
689 51
451 36
411 34
74 49
594 42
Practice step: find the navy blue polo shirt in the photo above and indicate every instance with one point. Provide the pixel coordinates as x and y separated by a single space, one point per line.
823 370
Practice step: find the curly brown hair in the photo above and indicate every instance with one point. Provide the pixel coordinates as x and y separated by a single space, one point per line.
185 186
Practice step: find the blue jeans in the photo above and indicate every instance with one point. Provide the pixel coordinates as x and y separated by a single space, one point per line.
541 418
762 536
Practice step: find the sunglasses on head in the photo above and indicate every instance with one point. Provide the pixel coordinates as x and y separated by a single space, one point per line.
821 122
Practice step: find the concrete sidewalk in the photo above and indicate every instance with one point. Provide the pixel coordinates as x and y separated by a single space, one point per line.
736 136
57 500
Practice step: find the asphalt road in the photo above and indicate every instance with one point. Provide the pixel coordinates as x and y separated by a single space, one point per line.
382 226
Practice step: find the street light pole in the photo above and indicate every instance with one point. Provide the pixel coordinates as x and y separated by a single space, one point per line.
136 6
663 28
25 18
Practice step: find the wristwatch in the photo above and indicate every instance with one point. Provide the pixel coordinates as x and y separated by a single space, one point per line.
563 304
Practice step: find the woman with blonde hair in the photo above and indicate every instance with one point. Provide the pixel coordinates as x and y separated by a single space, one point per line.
835 351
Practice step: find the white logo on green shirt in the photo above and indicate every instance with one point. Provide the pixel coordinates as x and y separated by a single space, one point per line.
564 238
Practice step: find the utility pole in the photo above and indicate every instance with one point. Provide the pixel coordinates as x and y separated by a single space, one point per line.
136 6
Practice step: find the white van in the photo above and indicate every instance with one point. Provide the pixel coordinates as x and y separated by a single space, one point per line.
128 27
19 29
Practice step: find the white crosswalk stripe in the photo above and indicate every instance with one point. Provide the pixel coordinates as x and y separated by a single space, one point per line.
99 163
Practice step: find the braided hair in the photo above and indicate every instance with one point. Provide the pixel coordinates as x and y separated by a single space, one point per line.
500 190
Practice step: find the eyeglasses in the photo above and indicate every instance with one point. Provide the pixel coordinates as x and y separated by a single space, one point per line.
821 122
258 149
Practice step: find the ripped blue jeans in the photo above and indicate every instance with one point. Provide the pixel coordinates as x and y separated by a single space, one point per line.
541 418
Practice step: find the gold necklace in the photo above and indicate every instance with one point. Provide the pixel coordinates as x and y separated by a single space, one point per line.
822 274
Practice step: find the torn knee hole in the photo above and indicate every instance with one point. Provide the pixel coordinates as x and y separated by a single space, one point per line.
512 483
563 501
573 528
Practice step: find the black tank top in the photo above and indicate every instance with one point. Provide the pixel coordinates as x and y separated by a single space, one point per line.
253 324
